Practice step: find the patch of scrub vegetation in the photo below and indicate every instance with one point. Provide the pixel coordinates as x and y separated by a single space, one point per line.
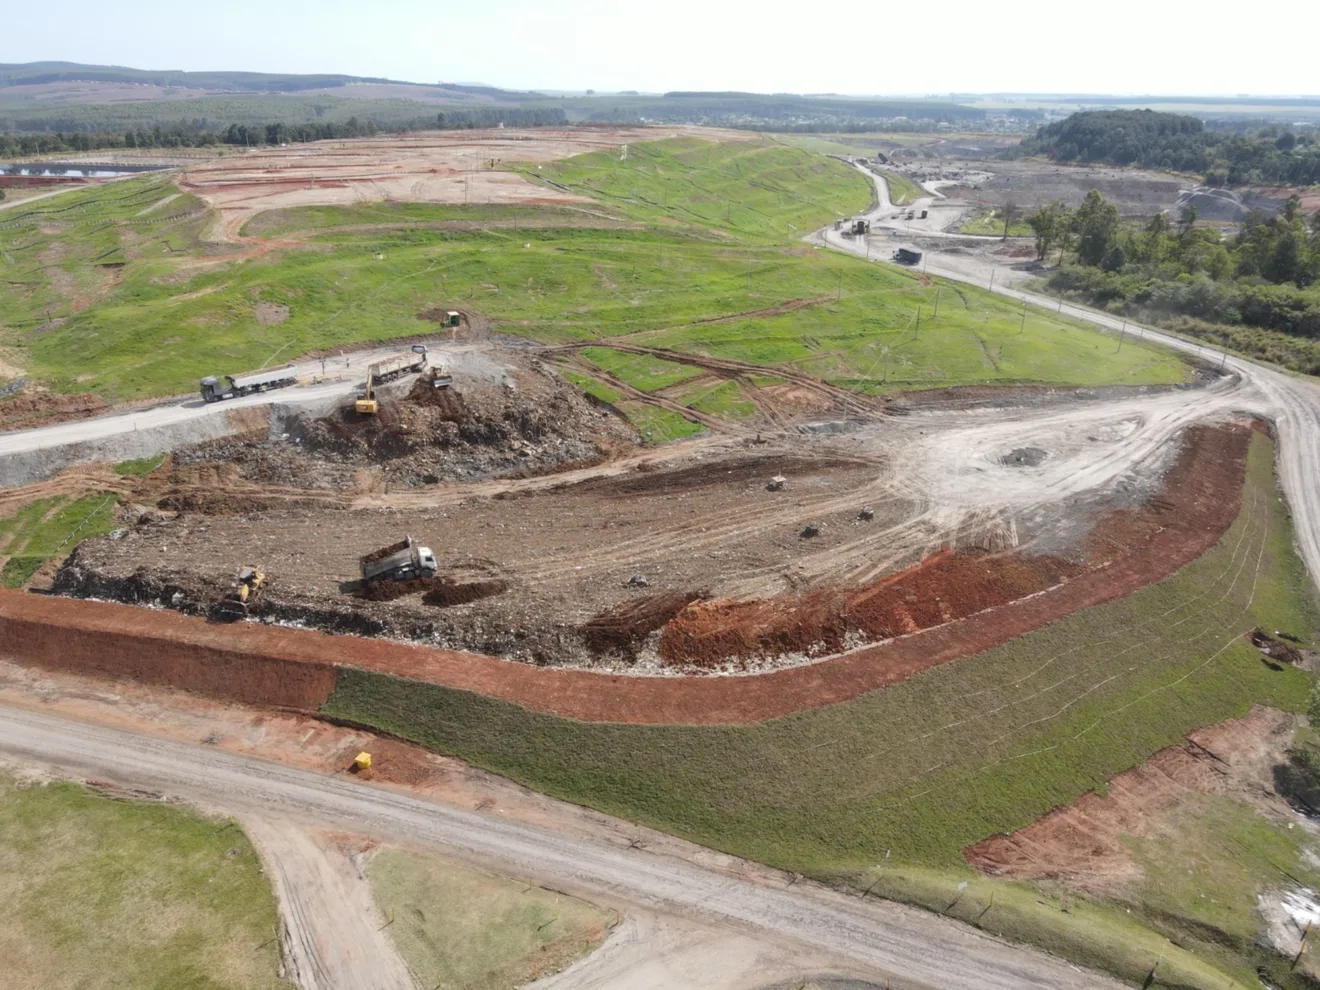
139 466
657 425
903 190
467 930
48 528
910 775
641 371
751 189
103 893
990 223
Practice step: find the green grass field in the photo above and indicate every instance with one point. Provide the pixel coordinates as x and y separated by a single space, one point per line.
688 231
992 224
910 775
463 929
903 190
749 189
103 894
48 528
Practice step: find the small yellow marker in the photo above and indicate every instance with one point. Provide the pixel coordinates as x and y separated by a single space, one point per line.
362 761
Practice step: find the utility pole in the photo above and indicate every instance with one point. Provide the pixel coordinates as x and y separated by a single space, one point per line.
1022 328
840 295
917 329
1121 334
992 279
1223 359
937 304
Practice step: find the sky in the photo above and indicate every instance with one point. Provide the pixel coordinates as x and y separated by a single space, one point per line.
840 46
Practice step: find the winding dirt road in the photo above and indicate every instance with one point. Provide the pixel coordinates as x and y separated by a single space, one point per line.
919 950
1291 401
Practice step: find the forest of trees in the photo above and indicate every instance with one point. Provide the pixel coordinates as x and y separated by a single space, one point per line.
1258 291
1270 155
252 135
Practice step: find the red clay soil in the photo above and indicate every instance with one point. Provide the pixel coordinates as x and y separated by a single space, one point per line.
1081 842
950 586
292 667
157 647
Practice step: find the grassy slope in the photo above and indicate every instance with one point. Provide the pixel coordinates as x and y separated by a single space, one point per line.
47 528
749 189
162 321
912 774
468 930
902 190
104 894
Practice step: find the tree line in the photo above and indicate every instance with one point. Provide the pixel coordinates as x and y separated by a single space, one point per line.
182 135
1242 290
1270 155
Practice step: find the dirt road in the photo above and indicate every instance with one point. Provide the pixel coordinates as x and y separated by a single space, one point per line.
918 950
1291 401
333 935
33 455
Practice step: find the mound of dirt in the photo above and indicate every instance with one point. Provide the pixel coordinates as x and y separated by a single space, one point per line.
534 424
36 407
627 625
942 588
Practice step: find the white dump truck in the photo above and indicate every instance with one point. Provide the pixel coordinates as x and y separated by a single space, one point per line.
402 561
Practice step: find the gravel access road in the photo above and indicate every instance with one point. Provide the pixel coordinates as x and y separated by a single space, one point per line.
1291 401
915 949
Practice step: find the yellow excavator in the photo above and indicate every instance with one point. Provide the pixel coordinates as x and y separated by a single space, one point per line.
366 403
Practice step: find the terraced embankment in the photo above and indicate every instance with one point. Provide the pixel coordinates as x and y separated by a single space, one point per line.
300 669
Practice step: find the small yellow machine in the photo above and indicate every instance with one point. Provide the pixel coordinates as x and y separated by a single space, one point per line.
366 403
362 762
248 583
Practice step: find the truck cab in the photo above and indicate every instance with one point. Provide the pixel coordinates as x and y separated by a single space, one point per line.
212 390
426 561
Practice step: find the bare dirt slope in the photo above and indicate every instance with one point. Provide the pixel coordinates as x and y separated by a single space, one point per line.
429 167
1082 842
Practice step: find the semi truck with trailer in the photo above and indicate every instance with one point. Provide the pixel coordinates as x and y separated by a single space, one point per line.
232 386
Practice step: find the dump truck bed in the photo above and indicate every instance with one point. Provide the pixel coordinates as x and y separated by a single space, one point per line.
375 555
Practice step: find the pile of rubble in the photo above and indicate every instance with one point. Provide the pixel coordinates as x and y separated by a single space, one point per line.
533 423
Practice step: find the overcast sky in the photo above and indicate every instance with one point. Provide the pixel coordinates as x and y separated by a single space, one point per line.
842 46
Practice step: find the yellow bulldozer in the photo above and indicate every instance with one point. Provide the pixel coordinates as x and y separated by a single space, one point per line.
248 583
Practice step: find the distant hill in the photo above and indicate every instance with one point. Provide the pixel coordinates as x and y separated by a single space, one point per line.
42 73
172 105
